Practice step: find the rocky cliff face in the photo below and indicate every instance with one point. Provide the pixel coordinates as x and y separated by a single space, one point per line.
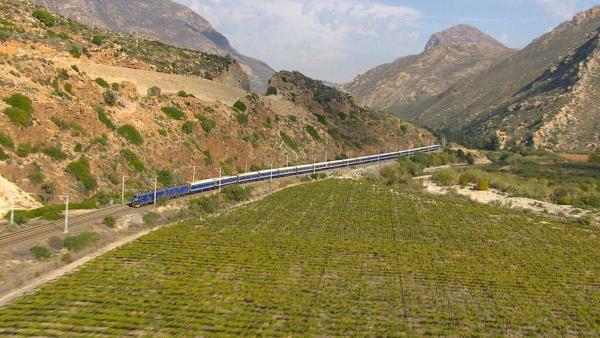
409 83
558 110
543 95
170 22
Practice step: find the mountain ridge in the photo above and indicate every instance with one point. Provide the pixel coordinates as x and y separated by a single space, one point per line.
461 34
411 81
174 24
491 92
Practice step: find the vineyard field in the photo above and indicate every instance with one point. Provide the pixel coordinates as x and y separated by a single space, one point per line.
333 258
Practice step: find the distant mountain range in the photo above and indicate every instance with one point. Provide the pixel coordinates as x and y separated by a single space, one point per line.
472 88
166 20
410 82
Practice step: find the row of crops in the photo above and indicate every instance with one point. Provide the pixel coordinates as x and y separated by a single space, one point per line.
333 258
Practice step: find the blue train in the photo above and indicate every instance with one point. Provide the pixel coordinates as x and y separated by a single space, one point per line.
147 198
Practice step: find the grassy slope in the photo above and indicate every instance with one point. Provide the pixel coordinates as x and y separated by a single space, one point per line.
329 258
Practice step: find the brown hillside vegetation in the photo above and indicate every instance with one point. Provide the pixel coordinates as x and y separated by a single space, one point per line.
66 130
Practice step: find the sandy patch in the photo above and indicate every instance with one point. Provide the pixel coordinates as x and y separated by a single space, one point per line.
10 193
495 197
583 158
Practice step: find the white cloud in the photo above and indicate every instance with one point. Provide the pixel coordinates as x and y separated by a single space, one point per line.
562 9
330 39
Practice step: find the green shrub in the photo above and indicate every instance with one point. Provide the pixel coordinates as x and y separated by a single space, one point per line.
470 159
79 242
463 180
20 109
150 218
68 88
154 91
241 118
44 17
205 204
334 133
76 69
288 141
105 119
188 127
312 131
236 193
322 119
75 51
55 153
3 155
206 123
445 177
424 160
78 148
182 93
80 169
173 113
131 134
40 252
482 185
97 40
109 221
239 105
24 149
62 75
102 83
110 97
271 91
20 101
133 160
6 141
162 132
164 177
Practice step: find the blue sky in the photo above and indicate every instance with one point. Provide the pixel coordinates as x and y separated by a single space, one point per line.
335 40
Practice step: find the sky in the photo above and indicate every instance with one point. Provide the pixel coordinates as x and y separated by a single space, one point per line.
335 40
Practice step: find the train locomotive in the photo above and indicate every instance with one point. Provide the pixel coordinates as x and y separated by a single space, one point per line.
142 199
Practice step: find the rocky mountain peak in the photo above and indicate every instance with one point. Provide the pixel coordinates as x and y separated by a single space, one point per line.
461 34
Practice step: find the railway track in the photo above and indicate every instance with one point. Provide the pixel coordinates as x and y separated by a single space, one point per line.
9 239
35 231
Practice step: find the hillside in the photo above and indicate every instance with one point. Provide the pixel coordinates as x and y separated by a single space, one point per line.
543 95
408 84
333 258
167 21
76 123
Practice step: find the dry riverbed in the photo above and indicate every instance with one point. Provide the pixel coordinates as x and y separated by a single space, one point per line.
498 198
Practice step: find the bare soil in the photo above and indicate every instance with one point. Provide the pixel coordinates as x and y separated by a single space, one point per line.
496 197
581 158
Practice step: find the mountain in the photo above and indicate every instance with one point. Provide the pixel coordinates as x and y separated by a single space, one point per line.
462 34
409 83
79 108
166 20
543 95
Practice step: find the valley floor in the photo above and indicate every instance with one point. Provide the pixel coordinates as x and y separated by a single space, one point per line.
336 257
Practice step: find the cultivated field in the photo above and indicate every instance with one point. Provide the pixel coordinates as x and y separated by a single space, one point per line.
337 257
